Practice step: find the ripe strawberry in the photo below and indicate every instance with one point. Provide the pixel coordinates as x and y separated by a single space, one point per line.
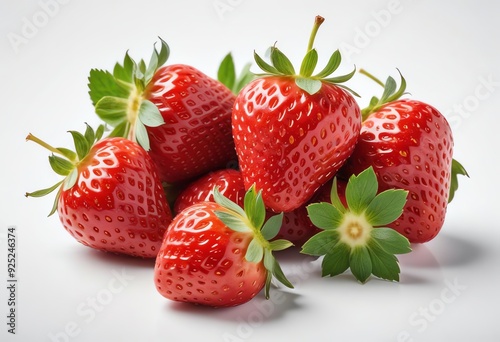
176 112
111 198
296 226
217 254
293 132
410 145
228 181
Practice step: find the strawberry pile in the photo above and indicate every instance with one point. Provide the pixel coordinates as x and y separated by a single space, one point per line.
213 177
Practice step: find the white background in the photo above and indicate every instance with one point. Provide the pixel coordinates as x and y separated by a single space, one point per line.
447 50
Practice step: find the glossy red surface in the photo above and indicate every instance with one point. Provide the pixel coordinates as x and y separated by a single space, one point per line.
196 137
117 204
288 142
203 261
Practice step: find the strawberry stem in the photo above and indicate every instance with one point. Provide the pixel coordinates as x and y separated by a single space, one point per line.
317 23
366 73
42 143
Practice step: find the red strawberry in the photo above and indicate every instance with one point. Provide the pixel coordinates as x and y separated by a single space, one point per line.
111 198
228 181
176 112
296 226
217 254
293 132
410 145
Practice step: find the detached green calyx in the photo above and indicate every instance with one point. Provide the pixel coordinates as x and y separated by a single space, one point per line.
281 65
354 236
251 219
119 97
66 164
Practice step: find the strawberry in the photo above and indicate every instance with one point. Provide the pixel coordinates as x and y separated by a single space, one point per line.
176 112
354 229
293 132
218 254
228 181
409 143
296 225
111 198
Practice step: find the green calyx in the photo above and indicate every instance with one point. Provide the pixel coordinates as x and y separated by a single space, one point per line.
227 75
251 219
65 162
354 236
120 100
282 66
391 93
456 169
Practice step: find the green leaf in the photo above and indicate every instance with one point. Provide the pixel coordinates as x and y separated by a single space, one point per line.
391 241
125 73
120 130
456 169
141 135
389 89
273 269
279 275
272 226
99 132
264 65
360 263
268 260
321 243
280 244
361 190
336 261
347 89
102 83
141 70
384 265
43 192
324 215
255 251
309 85
164 53
112 110
226 73
386 207
340 79
233 221
56 200
228 204
60 165
71 155
245 77
70 180
331 66
309 63
254 207
281 62
151 68
334 197
150 115
82 146
89 135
